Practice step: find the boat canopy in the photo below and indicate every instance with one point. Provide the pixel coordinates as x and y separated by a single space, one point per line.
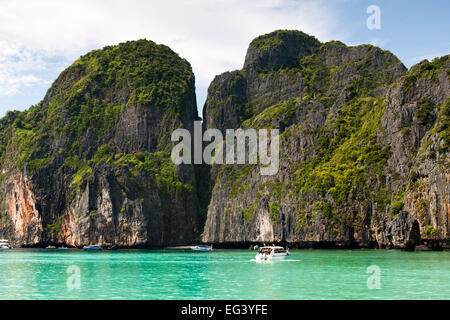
269 249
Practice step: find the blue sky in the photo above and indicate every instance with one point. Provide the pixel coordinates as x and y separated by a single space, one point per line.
38 39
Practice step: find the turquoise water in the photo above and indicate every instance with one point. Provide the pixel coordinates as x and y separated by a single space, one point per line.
222 274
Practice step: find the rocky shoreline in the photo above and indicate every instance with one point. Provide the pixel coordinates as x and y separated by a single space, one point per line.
424 245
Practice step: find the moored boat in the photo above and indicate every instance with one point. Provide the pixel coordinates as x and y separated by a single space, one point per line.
4 245
271 252
202 247
92 248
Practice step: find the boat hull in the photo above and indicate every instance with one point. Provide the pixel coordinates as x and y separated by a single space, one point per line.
262 257
200 249
92 248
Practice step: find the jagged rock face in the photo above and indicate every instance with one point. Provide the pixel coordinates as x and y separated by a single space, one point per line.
415 125
403 231
226 108
23 217
361 140
91 163
278 50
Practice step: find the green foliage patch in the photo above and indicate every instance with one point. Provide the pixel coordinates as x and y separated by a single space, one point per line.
347 166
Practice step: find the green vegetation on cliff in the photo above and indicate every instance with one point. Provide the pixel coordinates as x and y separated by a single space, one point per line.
89 97
106 123
347 164
356 127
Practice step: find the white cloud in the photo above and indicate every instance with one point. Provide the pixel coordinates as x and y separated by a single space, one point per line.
17 68
212 35
10 84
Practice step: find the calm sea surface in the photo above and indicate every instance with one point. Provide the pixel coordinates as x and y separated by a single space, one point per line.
222 274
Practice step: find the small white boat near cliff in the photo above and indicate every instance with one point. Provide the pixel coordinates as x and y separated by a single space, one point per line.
4 245
92 248
202 247
271 252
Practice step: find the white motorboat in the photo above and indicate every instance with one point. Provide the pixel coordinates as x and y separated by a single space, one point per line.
202 247
92 248
271 252
4 245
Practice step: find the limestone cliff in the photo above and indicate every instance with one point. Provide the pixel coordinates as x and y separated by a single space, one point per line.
364 146
91 163
363 160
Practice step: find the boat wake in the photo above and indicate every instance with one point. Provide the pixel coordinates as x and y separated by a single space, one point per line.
290 260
